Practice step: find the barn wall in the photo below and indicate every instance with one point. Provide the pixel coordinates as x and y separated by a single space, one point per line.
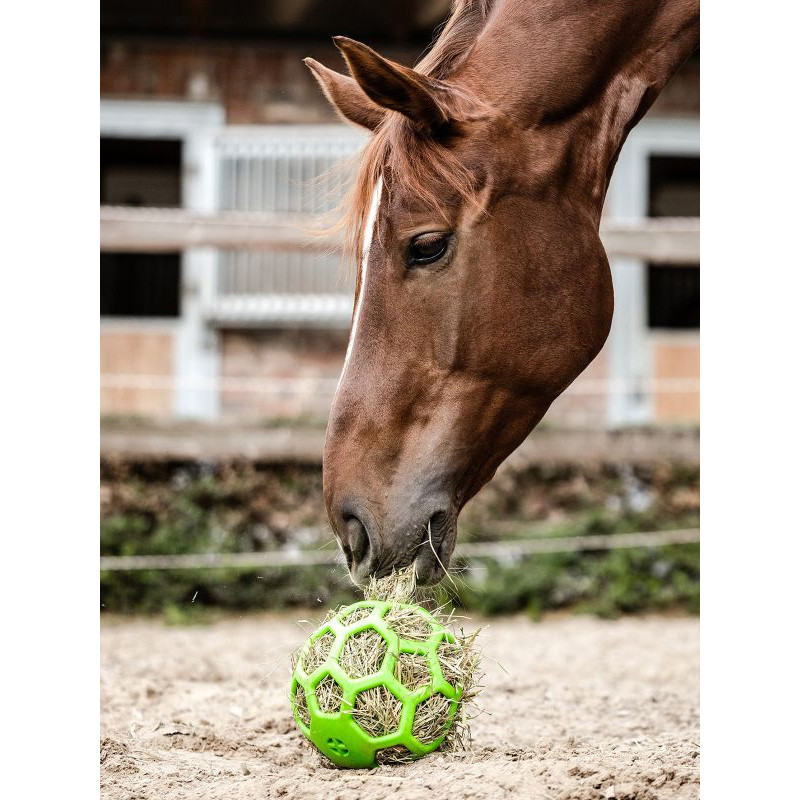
284 374
266 82
677 359
136 352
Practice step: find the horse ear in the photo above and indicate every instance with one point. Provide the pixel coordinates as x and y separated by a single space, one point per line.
345 95
396 87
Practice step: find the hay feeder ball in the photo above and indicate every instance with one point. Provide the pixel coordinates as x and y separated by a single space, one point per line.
378 682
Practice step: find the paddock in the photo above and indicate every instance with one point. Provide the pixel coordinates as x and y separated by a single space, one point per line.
574 708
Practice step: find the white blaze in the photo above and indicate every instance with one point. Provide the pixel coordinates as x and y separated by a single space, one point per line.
369 229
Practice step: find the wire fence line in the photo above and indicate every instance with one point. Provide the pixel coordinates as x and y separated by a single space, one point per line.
507 550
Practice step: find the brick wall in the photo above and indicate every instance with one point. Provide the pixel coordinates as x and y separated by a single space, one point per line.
261 83
284 374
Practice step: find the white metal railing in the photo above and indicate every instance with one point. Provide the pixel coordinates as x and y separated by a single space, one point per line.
291 171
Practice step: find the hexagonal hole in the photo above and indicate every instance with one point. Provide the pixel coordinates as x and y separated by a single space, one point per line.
300 705
408 623
431 718
399 754
318 652
363 653
377 711
412 670
356 616
329 695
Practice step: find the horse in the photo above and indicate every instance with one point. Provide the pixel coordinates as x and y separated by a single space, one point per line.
482 287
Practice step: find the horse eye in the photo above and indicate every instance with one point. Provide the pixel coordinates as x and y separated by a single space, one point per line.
427 248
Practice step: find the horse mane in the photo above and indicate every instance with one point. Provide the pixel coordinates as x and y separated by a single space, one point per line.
401 151
455 38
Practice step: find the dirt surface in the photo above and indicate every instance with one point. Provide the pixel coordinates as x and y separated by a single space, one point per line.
580 708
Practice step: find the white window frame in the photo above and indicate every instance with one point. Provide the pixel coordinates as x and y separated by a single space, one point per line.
196 356
630 345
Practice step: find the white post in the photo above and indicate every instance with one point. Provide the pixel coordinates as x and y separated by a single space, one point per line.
197 348
629 356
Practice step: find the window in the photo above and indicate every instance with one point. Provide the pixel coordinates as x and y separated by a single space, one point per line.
139 284
673 291
140 172
673 297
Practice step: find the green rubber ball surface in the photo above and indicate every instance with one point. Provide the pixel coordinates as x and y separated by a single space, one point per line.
319 679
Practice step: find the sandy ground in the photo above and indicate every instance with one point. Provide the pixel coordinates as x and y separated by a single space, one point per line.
580 708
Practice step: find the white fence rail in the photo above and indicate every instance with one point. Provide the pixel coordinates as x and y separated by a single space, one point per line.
663 240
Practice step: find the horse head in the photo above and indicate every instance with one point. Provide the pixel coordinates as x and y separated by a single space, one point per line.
483 289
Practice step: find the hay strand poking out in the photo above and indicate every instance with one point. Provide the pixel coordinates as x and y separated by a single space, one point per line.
329 695
431 718
363 654
318 652
377 711
408 623
412 670
301 706
355 616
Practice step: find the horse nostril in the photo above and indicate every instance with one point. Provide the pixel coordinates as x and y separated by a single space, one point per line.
357 546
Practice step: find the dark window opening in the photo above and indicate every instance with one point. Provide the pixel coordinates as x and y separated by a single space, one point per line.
673 297
674 186
140 172
673 291
140 284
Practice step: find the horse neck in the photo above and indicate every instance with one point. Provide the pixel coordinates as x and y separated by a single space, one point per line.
584 71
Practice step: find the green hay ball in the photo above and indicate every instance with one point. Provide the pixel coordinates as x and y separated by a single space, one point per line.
364 694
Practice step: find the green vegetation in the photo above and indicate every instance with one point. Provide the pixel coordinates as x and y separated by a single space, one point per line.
604 583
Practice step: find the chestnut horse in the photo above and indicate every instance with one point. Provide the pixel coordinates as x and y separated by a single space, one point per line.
483 289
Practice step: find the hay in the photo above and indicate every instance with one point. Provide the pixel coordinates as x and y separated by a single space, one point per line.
329 695
397 587
363 654
460 662
301 706
431 718
394 755
461 667
318 652
408 624
377 711
355 616
412 670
